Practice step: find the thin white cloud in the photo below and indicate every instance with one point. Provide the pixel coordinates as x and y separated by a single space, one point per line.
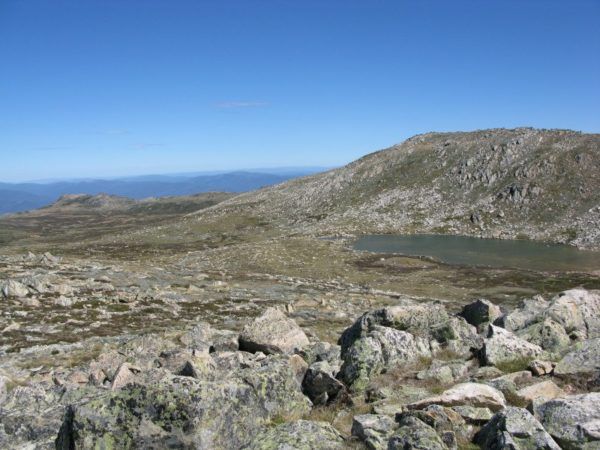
239 104
115 132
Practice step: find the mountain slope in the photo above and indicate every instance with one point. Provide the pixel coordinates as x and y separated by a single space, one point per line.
525 183
25 196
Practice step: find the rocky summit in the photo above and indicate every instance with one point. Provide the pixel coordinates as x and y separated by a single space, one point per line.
250 321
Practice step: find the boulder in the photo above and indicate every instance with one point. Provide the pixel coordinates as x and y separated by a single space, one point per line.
469 394
382 348
471 414
320 384
300 435
417 319
548 334
540 368
14 288
480 312
415 434
122 377
572 421
373 429
272 332
578 311
544 390
185 412
582 365
529 312
514 428
323 351
504 347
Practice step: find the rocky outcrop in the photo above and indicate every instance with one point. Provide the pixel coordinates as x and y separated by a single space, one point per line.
223 413
195 388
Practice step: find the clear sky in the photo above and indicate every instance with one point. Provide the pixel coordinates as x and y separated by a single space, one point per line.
120 87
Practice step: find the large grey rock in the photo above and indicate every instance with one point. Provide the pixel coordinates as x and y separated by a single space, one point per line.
14 288
515 428
480 312
582 365
529 312
503 347
373 429
182 411
414 434
573 421
470 394
203 337
548 334
272 332
299 435
382 348
578 311
417 319
320 384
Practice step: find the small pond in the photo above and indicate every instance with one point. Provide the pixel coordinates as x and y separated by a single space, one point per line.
472 251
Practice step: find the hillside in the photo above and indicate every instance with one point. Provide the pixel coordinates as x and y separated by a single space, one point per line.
520 183
15 197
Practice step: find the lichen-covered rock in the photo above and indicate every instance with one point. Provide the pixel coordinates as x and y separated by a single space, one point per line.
480 312
320 384
444 372
203 337
299 435
417 319
572 421
470 394
382 348
502 346
272 332
548 334
529 312
373 429
457 336
414 434
30 416
514 428
183 411
471 414
582 365
323 351
578 311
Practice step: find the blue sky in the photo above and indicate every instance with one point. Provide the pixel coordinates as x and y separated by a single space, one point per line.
121 87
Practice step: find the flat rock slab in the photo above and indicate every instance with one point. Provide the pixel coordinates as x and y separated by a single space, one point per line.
470 394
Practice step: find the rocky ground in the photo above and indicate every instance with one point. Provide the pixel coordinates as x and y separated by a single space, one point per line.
409 375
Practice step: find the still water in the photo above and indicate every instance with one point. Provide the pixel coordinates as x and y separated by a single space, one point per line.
485 252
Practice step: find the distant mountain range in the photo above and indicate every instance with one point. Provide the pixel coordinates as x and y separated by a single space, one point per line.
15 197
